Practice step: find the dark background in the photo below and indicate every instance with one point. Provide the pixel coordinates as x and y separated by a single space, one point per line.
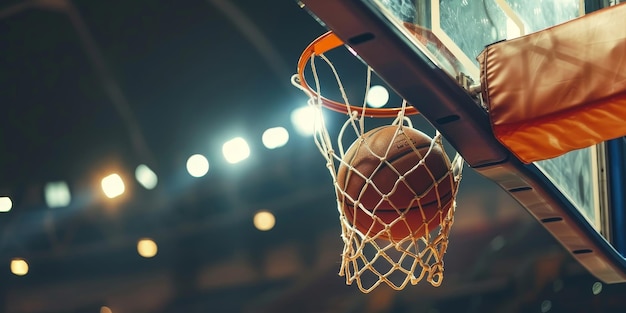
89 87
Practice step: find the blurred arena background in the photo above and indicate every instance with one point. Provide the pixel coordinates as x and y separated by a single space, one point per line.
171 102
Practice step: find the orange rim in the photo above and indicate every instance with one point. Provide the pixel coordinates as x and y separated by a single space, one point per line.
325 43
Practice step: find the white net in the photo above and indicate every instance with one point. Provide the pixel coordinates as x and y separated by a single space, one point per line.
396 191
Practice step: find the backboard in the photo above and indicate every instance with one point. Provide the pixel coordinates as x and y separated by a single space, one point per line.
578 197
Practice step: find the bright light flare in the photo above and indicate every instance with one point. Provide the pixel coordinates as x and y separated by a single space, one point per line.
377 96
5 204
105 309
264 220
236 150
596 288
113 186
303 120
275 137
147 248
197 165
146 177
57 194
19 267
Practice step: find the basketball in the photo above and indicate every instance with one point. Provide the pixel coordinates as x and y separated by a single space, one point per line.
368 177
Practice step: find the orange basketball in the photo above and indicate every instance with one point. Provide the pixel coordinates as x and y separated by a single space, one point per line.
416 195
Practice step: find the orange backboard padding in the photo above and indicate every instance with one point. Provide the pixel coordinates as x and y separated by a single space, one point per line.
560 89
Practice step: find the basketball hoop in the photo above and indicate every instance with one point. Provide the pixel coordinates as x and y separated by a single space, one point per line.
318 47
396 187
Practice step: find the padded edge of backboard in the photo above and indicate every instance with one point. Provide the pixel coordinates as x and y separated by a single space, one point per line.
465 125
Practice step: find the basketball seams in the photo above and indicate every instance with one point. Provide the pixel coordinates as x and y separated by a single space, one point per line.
371 156
378 222
363 174
351 154
347 175
433 159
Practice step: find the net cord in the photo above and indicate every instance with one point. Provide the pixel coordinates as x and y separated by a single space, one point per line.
425 253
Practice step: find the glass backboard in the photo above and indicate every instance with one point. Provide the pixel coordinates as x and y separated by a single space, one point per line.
466 27
582 190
